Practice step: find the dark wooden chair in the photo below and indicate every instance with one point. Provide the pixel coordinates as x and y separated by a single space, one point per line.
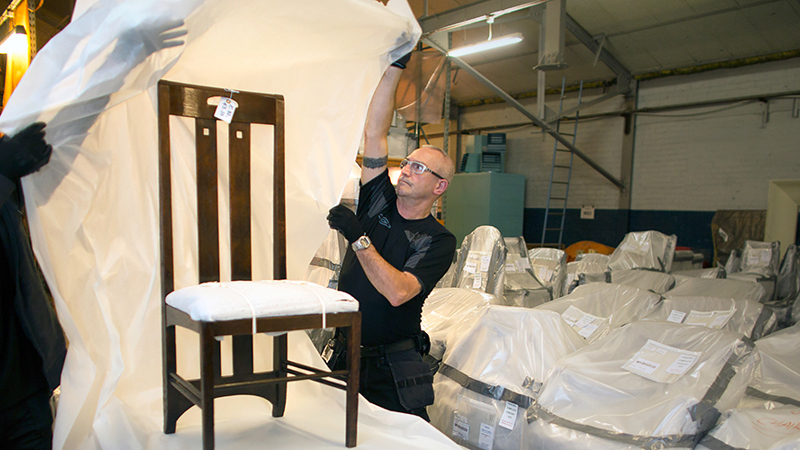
180 394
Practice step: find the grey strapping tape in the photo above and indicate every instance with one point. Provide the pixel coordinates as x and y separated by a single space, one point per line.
761 322
487 390
325 263
753 392
537 412
713 443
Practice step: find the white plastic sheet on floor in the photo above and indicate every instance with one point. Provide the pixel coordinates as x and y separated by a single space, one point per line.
492 372
777 381
93 208
648 280
644 386
594 309
775 429
746 317
718 287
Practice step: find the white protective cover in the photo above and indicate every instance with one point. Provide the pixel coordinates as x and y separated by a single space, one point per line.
777 381
594 399
497 365
592 270
644 250
550 267
648 280
774 429
716 287
762 258
522 286
711 272
93 209
594 309
767 283
449 310
746 317
598 258
481 261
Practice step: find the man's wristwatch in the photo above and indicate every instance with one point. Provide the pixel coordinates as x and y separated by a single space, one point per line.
361 243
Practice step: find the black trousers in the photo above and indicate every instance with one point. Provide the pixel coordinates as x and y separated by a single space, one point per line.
28 424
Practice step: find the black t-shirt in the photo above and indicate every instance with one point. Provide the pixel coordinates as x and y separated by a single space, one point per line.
421 247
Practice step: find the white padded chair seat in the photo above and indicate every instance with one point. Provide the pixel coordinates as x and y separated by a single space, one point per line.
212 302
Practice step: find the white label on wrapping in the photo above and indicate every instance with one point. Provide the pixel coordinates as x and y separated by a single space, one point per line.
710 319
485 259
476 283
523 264
544 274
676 316
225 109
460 427
509 416
486 438
585 324
587 330
766 256
752 259
661 363
682 364
510 268
470 267
723 234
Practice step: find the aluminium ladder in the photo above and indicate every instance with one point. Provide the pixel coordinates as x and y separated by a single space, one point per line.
560 175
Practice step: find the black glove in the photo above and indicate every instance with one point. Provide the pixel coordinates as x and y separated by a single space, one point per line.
402 61
25 152
341 218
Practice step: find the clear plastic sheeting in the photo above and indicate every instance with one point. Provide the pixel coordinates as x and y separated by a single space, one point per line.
734 262
777 381
726 288
451 309
648 280
522 286
644 250
766 283
761 258
595 309
481 261
597 258
774 429
648 385
550 267
588 271
789 275
711 272
746 317
421 90
492 374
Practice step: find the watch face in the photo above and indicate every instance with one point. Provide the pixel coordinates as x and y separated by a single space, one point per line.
361 243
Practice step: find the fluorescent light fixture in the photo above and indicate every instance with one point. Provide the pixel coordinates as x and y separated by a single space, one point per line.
486 45
16 42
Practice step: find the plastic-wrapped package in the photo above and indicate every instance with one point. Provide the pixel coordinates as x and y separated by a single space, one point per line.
481 261
734 262
774 429
447 309
598 258
493 372
649 385
789 275
591 270
766 282
726 288
644 250
522 286
777 380
595 309
648 280
711 272
550 267
762 258
746 317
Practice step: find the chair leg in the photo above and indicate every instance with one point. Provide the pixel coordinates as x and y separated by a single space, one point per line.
208 356
169 393
279 357
353 379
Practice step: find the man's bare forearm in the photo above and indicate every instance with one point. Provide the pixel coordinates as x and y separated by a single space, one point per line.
398 287
379 119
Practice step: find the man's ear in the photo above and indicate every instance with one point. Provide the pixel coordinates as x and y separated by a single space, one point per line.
441 186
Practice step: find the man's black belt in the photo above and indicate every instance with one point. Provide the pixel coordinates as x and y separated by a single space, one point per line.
383 350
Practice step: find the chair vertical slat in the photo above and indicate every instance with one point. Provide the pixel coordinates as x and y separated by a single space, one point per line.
207 199
279 196
239 169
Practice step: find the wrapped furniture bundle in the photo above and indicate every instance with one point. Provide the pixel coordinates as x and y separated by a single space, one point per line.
583 272
522 287
761 258
448 309
746 317
493 372
595 309
726 288
711 272
550 267
648 280
777 380
647 385
481 261
762 429
644 250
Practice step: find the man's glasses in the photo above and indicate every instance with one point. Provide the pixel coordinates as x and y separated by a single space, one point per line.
417 167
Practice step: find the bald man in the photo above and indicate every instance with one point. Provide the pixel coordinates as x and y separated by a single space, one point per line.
397 255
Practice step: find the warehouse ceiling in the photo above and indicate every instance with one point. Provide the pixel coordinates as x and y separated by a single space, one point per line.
645 38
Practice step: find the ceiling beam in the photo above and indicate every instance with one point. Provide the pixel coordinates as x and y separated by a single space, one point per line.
624 76
473 13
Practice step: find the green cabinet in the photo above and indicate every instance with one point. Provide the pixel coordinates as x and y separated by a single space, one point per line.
485 198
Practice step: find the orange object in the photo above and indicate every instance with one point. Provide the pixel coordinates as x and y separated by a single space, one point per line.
587 247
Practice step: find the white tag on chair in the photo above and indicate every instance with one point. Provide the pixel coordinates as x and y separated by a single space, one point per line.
225 109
